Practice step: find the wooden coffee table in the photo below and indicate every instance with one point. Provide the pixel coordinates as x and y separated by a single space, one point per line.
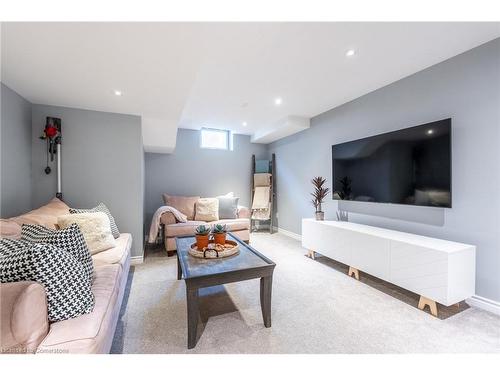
201 273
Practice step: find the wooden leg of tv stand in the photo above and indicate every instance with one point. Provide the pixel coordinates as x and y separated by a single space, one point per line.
311 254
353 271
432 305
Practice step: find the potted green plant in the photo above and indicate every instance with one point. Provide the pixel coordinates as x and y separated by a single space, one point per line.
202 236
219 231
319 194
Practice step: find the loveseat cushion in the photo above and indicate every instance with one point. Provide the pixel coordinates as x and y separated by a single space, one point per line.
234 224
187 229
244 212
182 229
88 333
62 275
70 239
186 205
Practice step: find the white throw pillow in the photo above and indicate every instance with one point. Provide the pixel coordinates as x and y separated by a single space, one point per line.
207 209
95 227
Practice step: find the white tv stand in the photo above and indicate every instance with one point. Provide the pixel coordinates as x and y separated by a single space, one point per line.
438 270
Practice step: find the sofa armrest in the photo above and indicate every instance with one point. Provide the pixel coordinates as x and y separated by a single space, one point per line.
24 316
167 218
243 212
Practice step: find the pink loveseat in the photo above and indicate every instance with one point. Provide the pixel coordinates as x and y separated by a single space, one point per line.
239 226
24 324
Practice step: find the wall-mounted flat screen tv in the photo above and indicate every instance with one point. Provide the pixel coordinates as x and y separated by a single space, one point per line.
408 166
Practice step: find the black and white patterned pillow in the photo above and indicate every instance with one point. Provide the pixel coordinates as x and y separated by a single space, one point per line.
68 293
101 207
70 239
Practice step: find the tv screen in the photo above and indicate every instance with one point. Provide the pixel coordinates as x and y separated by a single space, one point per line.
409 166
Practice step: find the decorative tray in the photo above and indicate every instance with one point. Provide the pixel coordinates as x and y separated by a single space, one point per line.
214 251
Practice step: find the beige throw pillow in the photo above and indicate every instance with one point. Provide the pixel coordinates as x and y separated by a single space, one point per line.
95 227
207 209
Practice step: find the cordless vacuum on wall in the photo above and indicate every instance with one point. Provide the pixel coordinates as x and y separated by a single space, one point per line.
53 136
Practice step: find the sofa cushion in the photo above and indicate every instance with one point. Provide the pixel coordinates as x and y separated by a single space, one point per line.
62 275
207 209
70 239
234 224
182 229
95 228
23 315
89 333
45 215
101 207
10 229
228 207
186 205
117 254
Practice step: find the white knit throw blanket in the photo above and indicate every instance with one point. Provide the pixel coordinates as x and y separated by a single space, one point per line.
155 223
261 203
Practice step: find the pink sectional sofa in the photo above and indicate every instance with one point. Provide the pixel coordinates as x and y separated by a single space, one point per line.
24 324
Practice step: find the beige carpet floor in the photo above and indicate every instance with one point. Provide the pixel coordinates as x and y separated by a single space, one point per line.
316 308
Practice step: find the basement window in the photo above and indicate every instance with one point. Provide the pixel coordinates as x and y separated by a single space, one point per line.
217 139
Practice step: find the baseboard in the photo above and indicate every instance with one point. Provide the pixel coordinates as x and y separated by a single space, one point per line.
484 304
136 260
288 233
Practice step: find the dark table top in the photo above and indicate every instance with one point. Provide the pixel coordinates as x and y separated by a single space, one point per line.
192 267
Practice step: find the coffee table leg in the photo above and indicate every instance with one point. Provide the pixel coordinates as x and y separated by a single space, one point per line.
179 270
266 285
193 313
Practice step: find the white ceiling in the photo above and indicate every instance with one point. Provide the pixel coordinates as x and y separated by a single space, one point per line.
220 75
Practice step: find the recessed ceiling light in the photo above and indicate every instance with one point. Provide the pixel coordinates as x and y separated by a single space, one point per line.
118 93
350 53
244 123
430 131
278 101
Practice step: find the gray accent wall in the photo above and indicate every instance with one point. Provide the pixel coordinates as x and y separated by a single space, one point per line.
102 161
191 170
15 134
465 88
